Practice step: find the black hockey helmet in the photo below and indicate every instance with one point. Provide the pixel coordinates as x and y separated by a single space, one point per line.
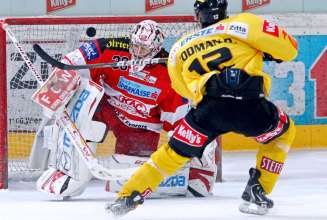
210 11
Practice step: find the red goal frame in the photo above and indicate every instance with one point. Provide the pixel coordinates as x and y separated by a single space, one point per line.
54 21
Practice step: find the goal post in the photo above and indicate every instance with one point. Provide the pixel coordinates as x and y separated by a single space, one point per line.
19 116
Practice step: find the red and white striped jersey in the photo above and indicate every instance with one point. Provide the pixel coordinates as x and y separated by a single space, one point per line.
142 99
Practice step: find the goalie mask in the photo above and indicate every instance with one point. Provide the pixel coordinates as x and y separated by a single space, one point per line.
210 11
146 41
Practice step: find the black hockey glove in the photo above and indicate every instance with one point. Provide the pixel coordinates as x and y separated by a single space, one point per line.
268 57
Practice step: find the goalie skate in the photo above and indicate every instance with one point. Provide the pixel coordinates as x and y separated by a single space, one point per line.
255 194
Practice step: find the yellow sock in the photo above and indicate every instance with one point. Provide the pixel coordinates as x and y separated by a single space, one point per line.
271 158
162 164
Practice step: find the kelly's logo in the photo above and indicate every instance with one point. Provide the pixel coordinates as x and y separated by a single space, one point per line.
185 133
151 5
251 4
56 5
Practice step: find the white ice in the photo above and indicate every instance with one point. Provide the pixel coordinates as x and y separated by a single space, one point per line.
300 193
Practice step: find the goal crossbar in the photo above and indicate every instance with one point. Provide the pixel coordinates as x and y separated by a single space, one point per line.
17 128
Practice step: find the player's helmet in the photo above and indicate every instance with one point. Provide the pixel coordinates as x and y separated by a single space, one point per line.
210 11
147 34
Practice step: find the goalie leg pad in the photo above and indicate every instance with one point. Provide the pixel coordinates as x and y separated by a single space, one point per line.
119 161
201 180
57 184
64 157
174 185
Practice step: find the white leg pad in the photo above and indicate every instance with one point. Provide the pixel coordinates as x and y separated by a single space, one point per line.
174 185
201 179
57 184
119 161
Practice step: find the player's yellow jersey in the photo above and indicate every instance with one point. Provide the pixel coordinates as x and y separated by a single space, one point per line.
236 42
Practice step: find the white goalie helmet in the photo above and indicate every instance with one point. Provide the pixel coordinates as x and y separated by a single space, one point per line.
148 37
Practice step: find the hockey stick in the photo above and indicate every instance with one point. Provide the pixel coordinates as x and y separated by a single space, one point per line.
63 66
78 141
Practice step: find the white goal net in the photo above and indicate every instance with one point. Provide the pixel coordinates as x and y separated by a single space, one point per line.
57 36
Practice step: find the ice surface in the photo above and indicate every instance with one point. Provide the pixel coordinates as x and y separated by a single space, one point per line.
300 193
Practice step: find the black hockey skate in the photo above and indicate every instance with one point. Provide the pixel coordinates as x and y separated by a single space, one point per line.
125 204
254 193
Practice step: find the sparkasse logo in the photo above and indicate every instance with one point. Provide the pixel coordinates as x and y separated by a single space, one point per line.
251 4
151 5
55 5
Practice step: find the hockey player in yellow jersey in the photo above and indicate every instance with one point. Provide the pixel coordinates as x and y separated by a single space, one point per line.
220 68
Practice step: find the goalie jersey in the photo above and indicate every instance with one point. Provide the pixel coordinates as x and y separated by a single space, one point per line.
142 99
199 55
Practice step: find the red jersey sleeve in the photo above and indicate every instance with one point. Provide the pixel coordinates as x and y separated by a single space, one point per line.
172 110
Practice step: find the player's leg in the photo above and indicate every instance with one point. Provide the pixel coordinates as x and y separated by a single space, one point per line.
270 160
188 141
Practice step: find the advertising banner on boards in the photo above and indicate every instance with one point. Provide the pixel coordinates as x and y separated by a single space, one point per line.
151 5
252 4
56 5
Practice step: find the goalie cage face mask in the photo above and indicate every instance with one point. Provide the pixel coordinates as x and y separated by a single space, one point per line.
210 11
148 35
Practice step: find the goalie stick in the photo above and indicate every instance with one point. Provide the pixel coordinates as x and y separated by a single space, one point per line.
63 66
78 141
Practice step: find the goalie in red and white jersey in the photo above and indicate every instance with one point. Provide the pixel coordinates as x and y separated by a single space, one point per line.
138 102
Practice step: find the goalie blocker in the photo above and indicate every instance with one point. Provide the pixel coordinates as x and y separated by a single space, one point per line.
68 174
195 179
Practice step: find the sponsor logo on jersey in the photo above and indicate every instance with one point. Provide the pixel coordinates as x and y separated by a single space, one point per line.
138 89
270 28
90 51
55 5
186 134
268 136
117 44
129 105
251 4
126 121
214 29
172 55
238 29
151 5
143 76
146 193
173 181
271 165
75 112
277 131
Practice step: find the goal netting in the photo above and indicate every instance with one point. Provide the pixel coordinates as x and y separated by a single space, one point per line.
19 116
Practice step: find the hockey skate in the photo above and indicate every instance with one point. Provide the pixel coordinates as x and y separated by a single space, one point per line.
124 205
255 194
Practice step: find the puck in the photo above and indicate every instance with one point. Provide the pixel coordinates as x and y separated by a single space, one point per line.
91 32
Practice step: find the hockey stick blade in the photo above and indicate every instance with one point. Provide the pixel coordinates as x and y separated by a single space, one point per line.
63 66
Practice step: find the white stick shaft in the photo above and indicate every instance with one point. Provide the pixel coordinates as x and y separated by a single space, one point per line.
24 55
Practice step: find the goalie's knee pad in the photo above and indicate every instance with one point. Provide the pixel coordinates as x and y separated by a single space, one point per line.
55 183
